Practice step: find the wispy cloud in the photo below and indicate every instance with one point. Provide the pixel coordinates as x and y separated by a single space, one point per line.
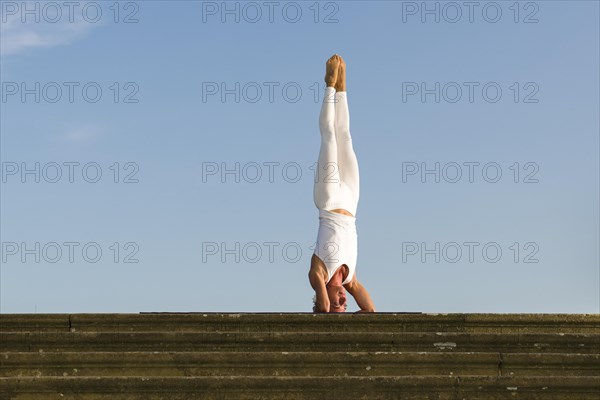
17 36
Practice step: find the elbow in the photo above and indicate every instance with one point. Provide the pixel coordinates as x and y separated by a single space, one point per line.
321 309
368 310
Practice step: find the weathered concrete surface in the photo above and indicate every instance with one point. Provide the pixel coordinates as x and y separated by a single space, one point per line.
403 387
299 341
296 364
299 356
304 322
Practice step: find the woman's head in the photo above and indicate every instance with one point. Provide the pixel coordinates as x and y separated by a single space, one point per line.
337 299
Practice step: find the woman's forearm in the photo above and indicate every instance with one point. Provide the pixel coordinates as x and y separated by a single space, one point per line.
362 297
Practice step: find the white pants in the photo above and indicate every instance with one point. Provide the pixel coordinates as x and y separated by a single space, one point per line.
337 178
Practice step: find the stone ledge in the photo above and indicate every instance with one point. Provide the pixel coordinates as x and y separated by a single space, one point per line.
417 386
374 322
300 341
16 364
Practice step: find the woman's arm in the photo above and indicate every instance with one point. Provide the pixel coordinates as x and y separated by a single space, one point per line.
319 286
362 297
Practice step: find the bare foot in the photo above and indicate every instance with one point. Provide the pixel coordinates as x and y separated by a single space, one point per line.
340 85
331 70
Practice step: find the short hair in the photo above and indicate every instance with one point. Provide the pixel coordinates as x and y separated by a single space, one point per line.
314 300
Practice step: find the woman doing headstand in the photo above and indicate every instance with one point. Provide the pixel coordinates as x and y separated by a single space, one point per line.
336 192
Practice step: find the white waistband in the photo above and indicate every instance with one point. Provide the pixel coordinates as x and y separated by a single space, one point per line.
343 218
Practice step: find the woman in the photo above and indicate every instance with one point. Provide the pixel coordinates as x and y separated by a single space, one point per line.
336 191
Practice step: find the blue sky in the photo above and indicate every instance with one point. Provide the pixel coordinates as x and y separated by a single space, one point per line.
161 126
